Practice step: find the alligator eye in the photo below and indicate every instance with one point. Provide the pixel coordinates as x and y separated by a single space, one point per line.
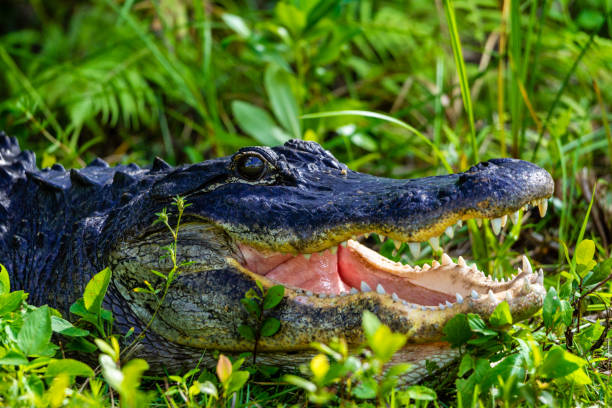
251 167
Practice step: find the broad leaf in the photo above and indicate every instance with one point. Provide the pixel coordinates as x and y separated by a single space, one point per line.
282 100
269 327
501 315
35 334
274 296
69 367
96 290
5 282
257 123
457 331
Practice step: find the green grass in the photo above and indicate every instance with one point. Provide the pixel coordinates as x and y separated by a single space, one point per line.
391 88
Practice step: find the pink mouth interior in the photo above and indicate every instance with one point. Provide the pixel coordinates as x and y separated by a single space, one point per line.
333 274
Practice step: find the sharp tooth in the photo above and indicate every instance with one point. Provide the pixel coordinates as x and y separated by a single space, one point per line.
508 296
435 243
449 304
423 307
397 245
344 244
441 306
504 220
491 295
417 268
307 256
365 287
541 276
543 207
474 294
367 235
473 268
308 293
449 231
479 222
353 291
496 225
415 249
514 217
446 260
395 297
404 303
426 267
461 261
460 223
380 289
459 298
333 250
527 265
435 264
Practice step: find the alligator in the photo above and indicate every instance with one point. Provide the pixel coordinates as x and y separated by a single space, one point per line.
291 215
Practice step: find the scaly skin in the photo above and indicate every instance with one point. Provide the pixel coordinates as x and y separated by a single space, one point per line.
60 227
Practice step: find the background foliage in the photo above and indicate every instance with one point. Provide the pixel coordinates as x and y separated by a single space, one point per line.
189 80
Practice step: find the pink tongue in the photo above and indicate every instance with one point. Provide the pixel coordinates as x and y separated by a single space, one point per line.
319 274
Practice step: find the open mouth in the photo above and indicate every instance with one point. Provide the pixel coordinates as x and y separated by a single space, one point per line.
351 269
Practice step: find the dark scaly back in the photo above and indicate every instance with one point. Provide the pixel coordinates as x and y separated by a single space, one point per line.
50 220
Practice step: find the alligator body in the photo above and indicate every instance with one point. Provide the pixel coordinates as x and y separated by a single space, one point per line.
290 214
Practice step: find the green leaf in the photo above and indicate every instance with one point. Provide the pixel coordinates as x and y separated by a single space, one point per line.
251 306
501 316
421 393
96 290
237 24
478 325
247 332
291 17
588 336
13 358
59 325
257 123
385 343
270 326
550 307
69 367
237 381
299 382
132 373
370 324
273 296
5 282
558 363
9 302
284 105
209 388
319 11
585 251
35 334
457 331
366 389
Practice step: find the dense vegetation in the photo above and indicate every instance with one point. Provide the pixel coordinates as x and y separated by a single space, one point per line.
465 81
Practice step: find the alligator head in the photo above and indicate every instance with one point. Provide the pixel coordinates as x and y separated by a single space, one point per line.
294 215
290 215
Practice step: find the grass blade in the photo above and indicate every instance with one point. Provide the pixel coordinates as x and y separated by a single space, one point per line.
463 79
386 118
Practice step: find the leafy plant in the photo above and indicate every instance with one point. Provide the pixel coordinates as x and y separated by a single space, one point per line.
365 378
256 303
